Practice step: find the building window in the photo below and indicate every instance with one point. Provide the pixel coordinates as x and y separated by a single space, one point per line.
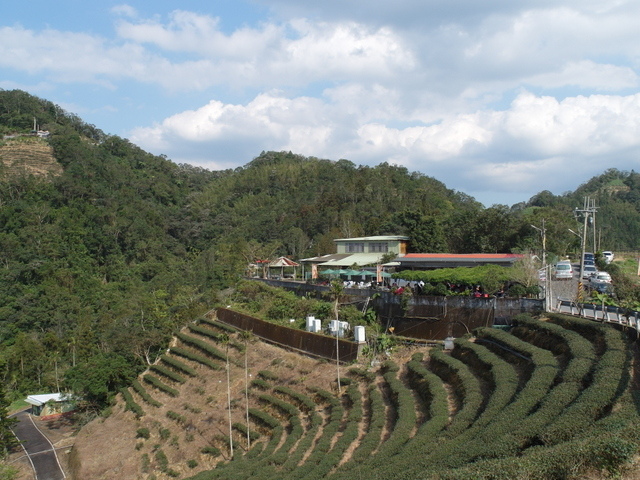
355 247
378 247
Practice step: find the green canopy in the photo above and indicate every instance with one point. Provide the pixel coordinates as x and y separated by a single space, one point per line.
328 271
352 273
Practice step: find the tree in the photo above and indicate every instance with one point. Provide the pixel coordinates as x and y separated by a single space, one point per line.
246 336
7 439
224 339
336 290
100 377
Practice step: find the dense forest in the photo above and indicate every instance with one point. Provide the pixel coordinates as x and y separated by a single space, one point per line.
100 263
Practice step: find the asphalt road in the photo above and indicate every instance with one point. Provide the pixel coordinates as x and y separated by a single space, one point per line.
38 448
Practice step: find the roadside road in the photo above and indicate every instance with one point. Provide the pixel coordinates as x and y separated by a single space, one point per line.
38 448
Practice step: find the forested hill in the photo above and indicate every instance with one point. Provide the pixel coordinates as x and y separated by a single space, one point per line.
102 258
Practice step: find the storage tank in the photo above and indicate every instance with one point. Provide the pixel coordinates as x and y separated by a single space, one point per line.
311 321
359 334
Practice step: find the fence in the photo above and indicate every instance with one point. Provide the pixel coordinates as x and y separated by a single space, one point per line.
312 343
602 313
427 317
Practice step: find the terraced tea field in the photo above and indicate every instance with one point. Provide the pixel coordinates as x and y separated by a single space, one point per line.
549 399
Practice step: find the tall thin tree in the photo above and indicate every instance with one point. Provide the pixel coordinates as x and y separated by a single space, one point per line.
224 338
246 335
336 290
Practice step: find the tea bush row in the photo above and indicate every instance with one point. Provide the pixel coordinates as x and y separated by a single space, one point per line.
166 372
217 337
218 324
242 429
188 354
154 381
598 396
206 347
130 403
349 435
465 385
303 402
140 390
178 365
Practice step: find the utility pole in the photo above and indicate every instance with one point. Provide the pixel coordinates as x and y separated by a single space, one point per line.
543 233
589 208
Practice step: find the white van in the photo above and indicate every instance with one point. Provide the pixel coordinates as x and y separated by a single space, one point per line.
563 270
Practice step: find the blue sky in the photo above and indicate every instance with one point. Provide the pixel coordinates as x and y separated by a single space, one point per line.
497 99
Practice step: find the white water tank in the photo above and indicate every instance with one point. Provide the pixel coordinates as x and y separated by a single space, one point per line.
317 325
311 321
359 334
340 327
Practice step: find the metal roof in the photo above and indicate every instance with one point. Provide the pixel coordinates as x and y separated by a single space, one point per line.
345 259
376 238
39 400
448 260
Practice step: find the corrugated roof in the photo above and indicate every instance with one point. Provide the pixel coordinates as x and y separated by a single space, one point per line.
347 260
39 400
447 260
463 256
375 238
326 258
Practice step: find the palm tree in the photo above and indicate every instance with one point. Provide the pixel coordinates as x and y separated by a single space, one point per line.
336 290
224 339
246 336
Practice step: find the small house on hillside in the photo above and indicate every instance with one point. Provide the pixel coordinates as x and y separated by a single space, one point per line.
51 404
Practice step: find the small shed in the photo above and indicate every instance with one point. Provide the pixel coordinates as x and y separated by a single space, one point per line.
51 404
282 263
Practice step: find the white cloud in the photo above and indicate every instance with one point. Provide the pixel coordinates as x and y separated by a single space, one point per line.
471 92
124 10
535 138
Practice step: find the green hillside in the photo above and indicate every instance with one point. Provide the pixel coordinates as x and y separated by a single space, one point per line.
107 250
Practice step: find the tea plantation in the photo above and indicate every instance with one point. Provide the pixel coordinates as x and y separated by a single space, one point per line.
552 399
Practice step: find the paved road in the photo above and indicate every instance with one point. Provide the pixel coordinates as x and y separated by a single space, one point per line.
38 448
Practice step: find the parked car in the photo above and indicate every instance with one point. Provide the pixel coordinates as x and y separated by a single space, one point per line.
601 277
588 256
608 256
589 271
563 270
601 287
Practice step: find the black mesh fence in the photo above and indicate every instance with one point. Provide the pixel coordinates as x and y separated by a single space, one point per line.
312 343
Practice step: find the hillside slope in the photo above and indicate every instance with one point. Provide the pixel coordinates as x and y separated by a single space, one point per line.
27 156
549 400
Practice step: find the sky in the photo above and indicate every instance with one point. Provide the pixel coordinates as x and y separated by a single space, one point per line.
497 99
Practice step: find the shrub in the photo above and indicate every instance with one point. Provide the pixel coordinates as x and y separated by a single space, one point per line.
209 450
143 433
